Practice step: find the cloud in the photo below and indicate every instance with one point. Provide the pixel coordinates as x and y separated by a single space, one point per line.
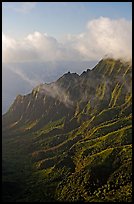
103 36
111 37
17 51
35 47
57 92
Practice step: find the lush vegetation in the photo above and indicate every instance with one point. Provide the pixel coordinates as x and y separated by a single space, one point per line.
78 149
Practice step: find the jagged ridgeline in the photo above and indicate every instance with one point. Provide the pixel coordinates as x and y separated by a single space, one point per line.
71 140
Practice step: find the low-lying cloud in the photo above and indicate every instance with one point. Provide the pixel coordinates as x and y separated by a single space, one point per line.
56 92
103 36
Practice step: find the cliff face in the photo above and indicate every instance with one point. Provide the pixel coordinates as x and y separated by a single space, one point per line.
77 131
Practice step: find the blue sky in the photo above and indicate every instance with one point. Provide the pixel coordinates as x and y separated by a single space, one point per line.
58 19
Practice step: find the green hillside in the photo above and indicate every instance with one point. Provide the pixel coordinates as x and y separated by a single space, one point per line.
71 140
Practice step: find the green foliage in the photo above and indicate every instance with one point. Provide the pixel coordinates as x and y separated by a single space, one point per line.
80 151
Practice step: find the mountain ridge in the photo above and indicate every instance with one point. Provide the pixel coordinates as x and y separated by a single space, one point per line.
77 134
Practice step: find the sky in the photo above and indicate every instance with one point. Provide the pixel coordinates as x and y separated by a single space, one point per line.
67 30
50 34
57 19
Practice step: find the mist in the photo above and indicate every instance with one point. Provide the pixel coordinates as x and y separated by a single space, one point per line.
56 91
39 58
21 78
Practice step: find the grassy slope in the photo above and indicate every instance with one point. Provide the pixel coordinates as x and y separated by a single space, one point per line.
91 162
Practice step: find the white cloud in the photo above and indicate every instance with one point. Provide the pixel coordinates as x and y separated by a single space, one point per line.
56 91
35 47
17 51
103 36
112 37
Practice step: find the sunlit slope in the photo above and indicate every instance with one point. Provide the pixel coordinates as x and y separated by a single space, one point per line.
74 135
